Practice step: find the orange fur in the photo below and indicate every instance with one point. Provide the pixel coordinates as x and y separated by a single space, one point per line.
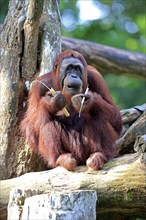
72 141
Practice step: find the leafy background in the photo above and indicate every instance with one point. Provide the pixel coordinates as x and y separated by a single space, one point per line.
118 23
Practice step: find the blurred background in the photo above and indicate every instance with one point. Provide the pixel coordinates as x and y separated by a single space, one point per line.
117 23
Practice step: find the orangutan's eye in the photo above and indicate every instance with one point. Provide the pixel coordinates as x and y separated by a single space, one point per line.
56 65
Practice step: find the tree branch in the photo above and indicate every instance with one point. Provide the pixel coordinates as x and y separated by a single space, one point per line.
31 30
120 185
128 139
109 59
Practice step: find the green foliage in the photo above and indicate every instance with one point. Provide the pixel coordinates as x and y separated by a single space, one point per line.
4 9
121 20
121 24
126 92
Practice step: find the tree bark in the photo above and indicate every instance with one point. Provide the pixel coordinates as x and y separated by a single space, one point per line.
120 185
31 30
63 205
130 115
138 128
20 63
109 59
50 35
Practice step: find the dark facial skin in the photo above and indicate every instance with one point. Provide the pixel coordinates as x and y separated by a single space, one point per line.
71 75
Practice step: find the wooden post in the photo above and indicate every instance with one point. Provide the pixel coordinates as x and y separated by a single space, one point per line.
77 205
16 202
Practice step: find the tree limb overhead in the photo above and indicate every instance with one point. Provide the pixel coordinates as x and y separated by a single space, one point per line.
109 59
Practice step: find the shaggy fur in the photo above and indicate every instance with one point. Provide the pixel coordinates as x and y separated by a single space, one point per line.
71 141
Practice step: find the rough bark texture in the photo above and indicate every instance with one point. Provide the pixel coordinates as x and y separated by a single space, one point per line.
75 205
12 85
120 186
140 144
31 30
130 115
20 41
16 202
136 129
109 59
50 35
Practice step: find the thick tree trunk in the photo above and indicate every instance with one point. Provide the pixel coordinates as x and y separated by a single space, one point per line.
109 59
120 186
24 50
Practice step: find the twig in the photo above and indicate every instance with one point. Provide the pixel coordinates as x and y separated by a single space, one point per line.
82 102
53 92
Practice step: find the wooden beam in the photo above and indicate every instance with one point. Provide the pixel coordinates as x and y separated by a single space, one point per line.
120 185
109 59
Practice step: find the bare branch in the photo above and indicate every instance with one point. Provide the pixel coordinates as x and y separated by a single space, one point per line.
109 59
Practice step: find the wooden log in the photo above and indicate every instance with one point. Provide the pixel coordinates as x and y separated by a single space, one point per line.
128 139
120 185
108 59
130 115
140 146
